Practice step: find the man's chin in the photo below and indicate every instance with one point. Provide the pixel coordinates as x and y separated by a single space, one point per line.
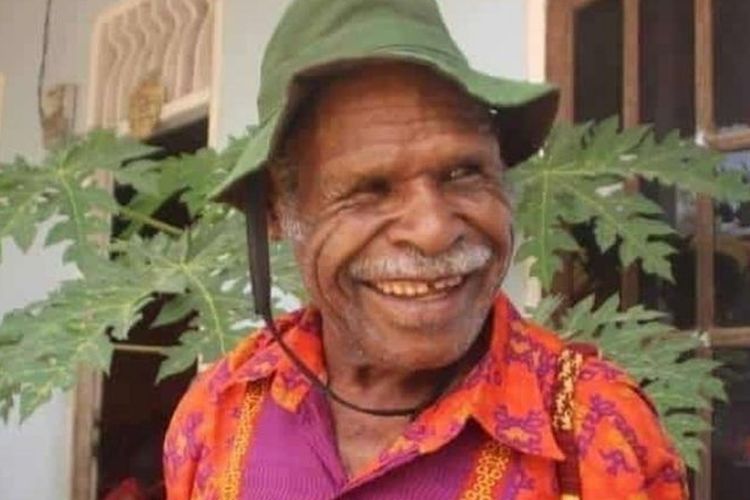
421 333
419 345
421 353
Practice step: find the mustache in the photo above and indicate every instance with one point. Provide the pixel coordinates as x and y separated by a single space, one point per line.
463 258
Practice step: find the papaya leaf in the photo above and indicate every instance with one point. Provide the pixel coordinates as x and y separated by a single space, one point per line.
203 269
578 178
71 327
189 177
63 185
197 269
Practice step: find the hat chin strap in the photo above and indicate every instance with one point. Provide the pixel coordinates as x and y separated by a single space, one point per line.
260 278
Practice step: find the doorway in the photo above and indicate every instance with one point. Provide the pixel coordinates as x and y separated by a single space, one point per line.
135 411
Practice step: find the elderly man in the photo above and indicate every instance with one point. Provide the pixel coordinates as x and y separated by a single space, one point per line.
380 154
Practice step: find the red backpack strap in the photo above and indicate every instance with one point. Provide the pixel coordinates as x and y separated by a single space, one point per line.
569 366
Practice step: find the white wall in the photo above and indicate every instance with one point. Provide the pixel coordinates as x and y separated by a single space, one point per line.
492 33
35 458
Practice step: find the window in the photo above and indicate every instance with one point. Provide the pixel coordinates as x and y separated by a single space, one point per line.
727 74
677 64
166 41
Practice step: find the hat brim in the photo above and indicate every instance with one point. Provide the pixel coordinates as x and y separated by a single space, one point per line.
523 112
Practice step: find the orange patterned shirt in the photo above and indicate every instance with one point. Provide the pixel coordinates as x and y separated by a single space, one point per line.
254 427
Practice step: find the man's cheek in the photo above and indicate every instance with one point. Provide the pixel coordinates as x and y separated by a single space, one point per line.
324 272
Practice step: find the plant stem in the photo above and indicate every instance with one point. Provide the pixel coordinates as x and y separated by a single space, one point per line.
141 349
157 224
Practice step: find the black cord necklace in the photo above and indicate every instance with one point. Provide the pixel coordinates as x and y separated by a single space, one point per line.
330 393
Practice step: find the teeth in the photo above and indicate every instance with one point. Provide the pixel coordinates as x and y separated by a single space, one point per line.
416 288
447 283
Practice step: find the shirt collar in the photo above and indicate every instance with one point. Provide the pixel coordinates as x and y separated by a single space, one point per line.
508 393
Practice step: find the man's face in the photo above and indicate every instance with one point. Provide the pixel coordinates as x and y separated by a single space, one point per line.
404 228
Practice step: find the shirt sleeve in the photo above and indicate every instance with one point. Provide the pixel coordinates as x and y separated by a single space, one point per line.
624 451
185 442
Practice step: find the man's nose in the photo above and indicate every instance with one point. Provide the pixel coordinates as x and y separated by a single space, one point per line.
427 222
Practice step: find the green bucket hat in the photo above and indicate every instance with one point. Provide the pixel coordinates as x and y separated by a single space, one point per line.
315 37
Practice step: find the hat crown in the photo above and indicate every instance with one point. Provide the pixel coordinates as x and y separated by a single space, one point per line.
314 32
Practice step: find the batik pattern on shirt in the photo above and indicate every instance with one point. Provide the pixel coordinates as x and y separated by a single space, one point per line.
490 437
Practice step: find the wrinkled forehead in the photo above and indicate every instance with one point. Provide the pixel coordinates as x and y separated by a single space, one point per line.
379 97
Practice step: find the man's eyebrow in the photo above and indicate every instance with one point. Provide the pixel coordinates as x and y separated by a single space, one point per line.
367 166
339 185
363 165
470 156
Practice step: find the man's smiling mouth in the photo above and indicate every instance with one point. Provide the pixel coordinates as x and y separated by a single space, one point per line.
412 288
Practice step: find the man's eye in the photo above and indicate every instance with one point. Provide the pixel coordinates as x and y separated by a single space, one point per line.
377 186
462 172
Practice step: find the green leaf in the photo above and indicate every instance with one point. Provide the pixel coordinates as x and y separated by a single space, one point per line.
543 312
42 345
182 357
578 179
690 448
22 202
63 186
198 267
143 176
102 150
684 423
176 309
543 240
714 388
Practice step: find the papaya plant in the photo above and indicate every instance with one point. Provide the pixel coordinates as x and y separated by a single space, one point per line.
199 271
